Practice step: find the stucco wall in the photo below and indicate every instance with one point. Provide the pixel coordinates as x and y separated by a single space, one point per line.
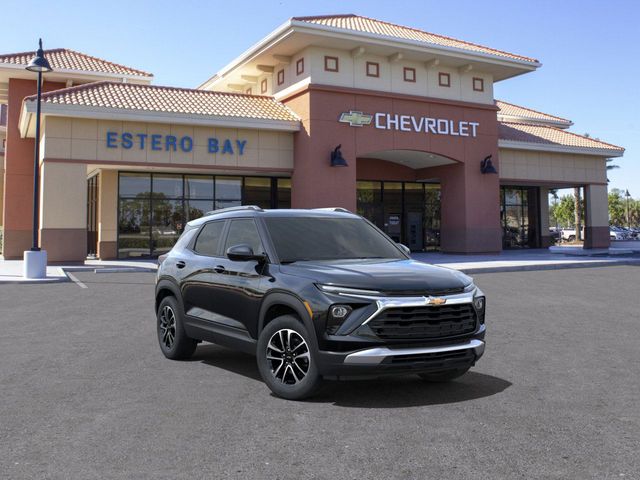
551 167
82 139
352 73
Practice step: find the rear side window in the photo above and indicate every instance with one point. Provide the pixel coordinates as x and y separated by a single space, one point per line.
208 242
244 231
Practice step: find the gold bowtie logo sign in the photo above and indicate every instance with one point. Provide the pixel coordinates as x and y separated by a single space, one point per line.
356 119
436 301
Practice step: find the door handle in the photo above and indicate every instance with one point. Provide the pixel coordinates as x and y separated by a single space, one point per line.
219 269
180 264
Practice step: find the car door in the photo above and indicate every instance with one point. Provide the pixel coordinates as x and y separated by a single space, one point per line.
198 272
241 288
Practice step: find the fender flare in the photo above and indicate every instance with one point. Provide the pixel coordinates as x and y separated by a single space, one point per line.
291 301
166 284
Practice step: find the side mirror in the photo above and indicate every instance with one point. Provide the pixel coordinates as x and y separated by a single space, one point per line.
244 253
404 248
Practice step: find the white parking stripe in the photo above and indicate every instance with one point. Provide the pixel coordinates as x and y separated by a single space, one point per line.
75 280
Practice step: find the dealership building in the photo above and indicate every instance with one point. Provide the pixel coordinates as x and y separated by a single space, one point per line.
397 124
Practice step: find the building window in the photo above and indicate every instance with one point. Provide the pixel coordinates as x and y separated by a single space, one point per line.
330 64
444 79
409 74
248 91
300 66
154 208
280 77
478 84
263 86
373 69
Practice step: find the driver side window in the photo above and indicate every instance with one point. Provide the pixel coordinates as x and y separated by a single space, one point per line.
244 231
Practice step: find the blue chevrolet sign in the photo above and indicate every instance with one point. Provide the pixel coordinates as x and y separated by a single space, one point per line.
171 143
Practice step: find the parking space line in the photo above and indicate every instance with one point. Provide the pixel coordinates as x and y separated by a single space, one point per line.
75 280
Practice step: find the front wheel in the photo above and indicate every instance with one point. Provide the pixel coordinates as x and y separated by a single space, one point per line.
444 376
286 360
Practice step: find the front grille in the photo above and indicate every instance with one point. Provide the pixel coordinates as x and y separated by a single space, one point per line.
437 359
423 323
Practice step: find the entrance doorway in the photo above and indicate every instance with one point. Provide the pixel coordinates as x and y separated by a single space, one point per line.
409 212
92 216
519 217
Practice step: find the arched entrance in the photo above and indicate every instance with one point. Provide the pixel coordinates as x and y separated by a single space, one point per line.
396 193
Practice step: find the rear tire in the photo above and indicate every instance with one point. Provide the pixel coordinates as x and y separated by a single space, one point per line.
443 376
286 359
174 342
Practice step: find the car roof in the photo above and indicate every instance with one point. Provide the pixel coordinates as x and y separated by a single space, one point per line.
254 211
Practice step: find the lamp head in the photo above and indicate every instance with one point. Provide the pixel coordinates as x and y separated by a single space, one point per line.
486 166
39 63
337 160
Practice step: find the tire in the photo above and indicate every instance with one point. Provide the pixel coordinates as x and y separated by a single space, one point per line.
286 359
172 338
571 238
444 376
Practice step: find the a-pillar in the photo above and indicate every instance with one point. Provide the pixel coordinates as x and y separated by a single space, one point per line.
545 233
596 216
107 214
63 211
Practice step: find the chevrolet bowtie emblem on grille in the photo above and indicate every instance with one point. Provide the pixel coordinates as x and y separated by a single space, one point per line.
436 301
355 119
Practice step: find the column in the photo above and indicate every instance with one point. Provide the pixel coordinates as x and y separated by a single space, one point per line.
597 216
545 234
108 214
63 211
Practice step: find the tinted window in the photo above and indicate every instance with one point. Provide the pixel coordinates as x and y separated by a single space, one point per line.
328 239
209 239
244 232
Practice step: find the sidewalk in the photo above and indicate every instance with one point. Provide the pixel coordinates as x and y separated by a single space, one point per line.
535 259
11 270
506 261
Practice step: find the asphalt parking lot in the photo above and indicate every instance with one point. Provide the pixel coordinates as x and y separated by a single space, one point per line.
87 394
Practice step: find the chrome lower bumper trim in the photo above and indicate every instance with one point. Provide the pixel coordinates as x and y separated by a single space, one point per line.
375 356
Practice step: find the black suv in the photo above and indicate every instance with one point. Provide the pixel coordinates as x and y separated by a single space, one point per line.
315 294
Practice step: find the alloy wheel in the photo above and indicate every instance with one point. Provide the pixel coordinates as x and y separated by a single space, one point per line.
288 356
168 326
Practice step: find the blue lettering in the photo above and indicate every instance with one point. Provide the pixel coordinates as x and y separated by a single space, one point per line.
111 140
155 142
241 144
170 141
186 144
213 145
227 148
127 140
142 137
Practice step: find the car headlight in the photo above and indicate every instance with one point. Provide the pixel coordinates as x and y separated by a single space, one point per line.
337 290
470 288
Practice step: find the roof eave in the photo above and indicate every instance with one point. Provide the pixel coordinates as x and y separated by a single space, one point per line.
291 26
130 115
83 73
545 147
529 120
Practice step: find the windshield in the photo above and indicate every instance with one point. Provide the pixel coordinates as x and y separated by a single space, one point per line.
323 238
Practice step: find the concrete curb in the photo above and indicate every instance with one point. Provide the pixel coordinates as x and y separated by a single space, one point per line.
552 266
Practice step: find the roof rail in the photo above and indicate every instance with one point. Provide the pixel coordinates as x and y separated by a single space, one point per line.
334 209
254 208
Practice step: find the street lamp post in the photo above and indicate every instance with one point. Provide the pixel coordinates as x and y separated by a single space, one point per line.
627 195
35 260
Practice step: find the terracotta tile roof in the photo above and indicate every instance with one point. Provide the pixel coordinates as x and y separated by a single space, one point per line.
547 135
369 25
65 59
154 98
511 110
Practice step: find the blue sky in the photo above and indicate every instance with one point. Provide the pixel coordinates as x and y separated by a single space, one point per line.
588 48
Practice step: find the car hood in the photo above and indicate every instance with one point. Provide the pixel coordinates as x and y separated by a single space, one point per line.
406 276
